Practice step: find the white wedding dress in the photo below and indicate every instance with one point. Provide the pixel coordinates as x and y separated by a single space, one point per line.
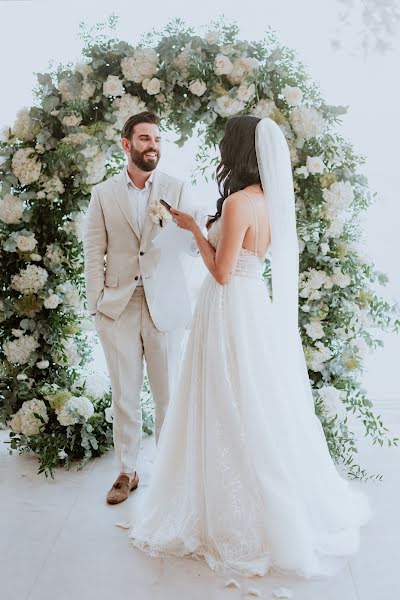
242 476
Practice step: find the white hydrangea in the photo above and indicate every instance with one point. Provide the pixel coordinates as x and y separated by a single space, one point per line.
54 255
113 86
19 350
319 356
52 186
76 405
30 280
11 209
77 139
69 293
96 169
331 398
76 225
25 418
26 166
246 92
198 87
126 107
241 67
52 301
24 128
315 164
338 198
222 65
314 329
182 62
142 65
293 95
341 279
307 122
264 109
26 241
72 120
227 106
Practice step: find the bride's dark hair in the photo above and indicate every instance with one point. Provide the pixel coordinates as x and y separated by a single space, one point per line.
238 167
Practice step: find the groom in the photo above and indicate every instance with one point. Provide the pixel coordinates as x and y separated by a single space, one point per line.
121 282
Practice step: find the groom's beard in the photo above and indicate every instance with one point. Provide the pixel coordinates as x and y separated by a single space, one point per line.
142 161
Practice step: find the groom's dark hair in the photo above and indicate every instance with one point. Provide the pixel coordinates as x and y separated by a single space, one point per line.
143 117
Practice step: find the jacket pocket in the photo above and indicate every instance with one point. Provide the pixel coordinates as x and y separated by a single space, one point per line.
111 280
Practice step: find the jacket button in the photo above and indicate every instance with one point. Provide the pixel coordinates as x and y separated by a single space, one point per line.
137 277
141 253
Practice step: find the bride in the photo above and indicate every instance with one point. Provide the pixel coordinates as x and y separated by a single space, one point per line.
242 476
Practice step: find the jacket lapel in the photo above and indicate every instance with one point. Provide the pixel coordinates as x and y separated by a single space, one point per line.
122 199
158 190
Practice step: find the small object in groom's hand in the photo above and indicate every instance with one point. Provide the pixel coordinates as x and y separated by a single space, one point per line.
165 204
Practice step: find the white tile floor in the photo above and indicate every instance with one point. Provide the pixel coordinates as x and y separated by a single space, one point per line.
59 541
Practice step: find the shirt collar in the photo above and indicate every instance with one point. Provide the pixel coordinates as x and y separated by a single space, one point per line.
146 185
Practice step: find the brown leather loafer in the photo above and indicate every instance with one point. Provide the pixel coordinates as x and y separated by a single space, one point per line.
122 488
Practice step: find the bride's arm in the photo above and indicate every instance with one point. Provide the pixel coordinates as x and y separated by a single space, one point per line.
235 222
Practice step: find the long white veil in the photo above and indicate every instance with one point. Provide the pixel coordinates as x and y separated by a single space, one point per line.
275 169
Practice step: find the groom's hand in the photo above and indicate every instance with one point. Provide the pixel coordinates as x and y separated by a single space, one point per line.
183 220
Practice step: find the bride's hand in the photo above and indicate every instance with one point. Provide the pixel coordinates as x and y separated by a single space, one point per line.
183 220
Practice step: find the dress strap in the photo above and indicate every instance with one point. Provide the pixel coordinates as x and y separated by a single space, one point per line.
255 220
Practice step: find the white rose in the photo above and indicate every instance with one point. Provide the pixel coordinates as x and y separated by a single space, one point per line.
113 86
303 171
42 364
22 376
227 106
26 243
11 209
198 87
246 92
341 279
36 257
222 65
62 455
75 407
52 301
314 329
293 95
315 164
153 86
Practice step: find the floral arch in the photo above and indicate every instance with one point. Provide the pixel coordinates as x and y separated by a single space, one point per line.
69 140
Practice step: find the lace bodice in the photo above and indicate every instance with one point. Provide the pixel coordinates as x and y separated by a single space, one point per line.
249 264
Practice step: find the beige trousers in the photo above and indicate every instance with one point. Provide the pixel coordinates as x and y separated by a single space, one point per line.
126 342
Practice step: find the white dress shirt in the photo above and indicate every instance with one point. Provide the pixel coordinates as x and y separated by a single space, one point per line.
139 199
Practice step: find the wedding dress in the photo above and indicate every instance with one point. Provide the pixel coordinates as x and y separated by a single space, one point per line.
242 476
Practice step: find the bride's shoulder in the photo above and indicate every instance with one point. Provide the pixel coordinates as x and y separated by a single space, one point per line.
235 203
